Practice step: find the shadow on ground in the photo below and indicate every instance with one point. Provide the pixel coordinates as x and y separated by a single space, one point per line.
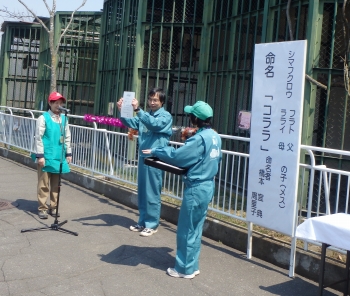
107 220
154 257
294 287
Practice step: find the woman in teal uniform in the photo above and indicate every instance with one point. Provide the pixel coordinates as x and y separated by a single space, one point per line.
154 130
201 154
51 136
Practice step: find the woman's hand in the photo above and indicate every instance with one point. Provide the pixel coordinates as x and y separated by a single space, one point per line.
69 159
147 151
41 161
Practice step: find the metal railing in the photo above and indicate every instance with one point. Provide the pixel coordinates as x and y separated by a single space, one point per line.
322 190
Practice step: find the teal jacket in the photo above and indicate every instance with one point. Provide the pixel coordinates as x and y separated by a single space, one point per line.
154 128
54 150
201 154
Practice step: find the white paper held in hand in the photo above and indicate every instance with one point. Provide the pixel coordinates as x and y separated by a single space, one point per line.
127 110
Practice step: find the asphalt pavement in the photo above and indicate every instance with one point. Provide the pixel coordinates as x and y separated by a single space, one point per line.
108 259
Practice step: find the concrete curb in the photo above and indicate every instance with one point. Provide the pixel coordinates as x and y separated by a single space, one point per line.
307 263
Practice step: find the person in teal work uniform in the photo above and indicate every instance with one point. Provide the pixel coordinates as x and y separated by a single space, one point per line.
52 143
201 154
154 130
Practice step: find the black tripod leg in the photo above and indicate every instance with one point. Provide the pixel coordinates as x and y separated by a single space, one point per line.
33 229
57 226
68 231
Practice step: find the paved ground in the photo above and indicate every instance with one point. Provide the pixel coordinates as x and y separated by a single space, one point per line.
108 259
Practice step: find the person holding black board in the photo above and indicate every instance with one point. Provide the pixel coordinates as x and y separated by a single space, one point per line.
201 155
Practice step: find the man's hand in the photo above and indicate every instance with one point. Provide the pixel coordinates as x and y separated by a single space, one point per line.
119 104
41 161
69 159
134 103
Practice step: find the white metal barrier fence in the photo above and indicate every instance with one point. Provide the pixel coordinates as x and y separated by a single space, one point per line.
322 189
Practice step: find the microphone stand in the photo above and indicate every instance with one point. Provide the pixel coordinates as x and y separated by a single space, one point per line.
57 225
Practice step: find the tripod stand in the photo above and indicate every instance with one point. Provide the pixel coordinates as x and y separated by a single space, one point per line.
57 225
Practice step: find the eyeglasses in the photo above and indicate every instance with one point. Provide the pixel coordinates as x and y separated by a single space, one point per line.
152 100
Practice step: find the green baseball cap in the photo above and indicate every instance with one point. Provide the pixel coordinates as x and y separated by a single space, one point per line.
200 109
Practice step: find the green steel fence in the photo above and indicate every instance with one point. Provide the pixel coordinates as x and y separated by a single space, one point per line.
76 61
24 75
19 64
117 52
194 49
204 50
150 43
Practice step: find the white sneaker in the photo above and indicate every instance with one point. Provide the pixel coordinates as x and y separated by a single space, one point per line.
42 214
148 231
197 272
172 272
136 228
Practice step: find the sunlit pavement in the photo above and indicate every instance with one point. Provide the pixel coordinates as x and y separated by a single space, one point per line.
108 259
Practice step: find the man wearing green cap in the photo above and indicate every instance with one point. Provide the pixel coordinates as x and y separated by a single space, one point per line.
201 154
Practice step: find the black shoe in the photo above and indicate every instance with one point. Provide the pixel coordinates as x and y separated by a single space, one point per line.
137 228
52 212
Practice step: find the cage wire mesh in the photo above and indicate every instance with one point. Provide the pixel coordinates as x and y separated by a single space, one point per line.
330 125
22 60
117 52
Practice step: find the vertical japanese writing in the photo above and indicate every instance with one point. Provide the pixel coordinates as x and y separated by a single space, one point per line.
283 187
266 124
268 168
270 60
276 123
265 173
256 199
289 86
283 119
291 121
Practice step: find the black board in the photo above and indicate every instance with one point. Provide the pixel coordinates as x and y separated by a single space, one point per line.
157 163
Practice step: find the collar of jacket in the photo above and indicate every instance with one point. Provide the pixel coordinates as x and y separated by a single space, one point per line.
160 110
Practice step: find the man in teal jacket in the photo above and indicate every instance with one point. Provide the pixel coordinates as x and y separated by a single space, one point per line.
154 130
201 154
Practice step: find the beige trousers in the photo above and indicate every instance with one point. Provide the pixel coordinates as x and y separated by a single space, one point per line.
47 185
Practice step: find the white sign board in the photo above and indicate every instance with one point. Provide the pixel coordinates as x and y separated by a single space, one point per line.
127 110
277 107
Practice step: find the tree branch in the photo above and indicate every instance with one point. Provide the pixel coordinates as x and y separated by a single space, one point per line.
47 6
4 12
291 36
314 81
70 21
35 16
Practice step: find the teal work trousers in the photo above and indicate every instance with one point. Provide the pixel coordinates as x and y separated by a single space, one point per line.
149 188
192 215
